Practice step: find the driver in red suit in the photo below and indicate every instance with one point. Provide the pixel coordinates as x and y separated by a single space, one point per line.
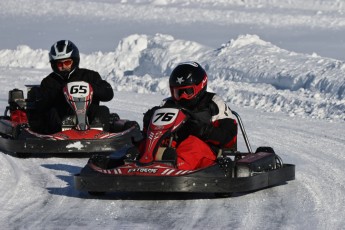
212 125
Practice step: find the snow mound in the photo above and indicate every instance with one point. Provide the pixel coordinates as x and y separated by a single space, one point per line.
153 55
245 71
24 57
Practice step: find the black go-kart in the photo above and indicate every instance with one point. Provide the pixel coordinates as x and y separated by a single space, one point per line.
128 170
20 136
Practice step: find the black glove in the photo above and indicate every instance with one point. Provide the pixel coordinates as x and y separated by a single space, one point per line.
129 124
113 118
198 128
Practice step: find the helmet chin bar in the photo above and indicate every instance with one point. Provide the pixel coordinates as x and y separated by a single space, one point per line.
189 104
64 74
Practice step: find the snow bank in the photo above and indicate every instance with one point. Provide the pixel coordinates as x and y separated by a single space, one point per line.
245 71
25 57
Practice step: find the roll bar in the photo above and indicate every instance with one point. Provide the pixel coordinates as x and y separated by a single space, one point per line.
239 120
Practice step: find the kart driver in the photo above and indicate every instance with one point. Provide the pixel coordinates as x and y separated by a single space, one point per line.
64 59
211 125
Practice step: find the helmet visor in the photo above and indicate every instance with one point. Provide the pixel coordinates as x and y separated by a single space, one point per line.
67 62
186 92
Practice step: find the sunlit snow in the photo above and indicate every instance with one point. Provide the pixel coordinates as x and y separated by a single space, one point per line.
279 64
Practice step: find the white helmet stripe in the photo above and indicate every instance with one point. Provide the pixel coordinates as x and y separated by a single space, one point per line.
63 54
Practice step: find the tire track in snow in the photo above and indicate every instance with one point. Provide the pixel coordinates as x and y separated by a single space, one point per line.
318 155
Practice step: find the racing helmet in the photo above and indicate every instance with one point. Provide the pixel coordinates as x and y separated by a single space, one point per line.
64 49
188 83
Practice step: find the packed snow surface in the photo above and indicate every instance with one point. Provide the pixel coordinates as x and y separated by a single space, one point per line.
279 64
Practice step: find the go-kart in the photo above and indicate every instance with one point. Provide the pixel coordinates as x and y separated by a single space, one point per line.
128 170
18 137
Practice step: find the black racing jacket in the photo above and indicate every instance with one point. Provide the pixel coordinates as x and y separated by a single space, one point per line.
51 90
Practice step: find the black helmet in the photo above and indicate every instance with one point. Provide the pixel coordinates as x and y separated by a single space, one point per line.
64 49
188 83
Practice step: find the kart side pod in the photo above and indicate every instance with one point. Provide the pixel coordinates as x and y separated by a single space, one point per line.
255 163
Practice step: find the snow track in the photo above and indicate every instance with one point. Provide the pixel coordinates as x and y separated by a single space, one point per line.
316 147
44 186
264 54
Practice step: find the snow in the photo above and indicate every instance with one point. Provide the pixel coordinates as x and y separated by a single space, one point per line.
279 64
76 145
